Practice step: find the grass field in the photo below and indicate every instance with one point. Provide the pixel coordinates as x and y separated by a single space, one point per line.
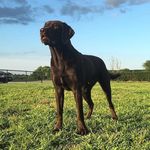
27 112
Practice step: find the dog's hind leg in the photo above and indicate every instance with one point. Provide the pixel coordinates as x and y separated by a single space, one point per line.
86 92
105 84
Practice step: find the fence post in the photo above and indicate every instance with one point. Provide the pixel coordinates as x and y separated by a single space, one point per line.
6 76
26 77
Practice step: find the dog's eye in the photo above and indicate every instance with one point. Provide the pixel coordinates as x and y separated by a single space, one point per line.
47 24
55 27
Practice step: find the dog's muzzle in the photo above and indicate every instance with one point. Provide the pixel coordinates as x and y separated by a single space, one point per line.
44 37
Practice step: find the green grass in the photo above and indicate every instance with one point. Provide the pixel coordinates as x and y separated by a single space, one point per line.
27 117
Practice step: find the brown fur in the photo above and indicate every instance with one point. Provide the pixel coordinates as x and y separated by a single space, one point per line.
71 70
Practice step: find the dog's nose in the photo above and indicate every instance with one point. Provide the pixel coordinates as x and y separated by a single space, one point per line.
42 29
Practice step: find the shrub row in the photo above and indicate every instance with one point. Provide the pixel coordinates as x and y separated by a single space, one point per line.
134 75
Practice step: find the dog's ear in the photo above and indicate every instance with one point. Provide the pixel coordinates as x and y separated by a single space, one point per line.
67 33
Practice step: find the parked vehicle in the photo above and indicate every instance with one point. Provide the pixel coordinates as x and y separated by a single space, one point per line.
5 77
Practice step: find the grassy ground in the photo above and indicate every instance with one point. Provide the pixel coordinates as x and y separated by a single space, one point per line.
27 112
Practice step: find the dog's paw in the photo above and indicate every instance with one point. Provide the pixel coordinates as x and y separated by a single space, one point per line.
115 118
88 115
55 130
83 131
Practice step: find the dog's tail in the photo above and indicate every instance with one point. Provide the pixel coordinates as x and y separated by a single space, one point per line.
114 76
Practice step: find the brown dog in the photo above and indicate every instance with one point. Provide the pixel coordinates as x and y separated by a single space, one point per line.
71 70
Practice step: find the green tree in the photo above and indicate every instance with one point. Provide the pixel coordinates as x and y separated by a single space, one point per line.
125 70
41 73
146 65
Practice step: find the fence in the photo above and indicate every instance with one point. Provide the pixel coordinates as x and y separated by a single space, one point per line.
7 75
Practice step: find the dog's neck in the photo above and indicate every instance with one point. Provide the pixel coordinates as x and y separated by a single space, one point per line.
63 53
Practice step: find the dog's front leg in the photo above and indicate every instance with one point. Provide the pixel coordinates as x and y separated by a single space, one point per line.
81 127
59 107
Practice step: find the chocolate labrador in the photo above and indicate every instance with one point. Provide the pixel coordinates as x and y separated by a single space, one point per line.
71 70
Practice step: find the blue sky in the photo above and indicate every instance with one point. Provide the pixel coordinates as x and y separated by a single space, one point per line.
110 29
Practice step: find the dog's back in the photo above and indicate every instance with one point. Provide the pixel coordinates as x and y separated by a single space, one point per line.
93 67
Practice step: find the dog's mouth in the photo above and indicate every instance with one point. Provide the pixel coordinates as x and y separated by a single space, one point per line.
45 40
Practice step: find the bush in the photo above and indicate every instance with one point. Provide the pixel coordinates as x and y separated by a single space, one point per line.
134 75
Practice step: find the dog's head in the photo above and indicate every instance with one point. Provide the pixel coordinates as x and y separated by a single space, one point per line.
56 32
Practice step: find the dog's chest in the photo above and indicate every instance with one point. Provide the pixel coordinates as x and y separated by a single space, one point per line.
62 78
65 82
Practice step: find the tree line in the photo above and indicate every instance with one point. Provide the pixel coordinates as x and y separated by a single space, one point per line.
43 73
39 74
131 75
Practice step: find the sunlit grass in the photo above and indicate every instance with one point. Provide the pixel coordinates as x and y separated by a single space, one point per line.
27 117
